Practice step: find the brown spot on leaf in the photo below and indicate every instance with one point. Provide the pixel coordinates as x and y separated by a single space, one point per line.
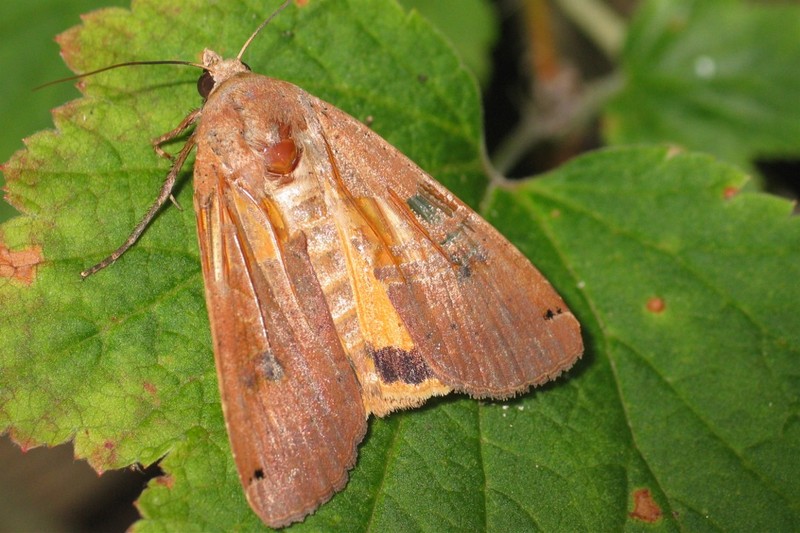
656 304
166 481
19 265
394 364
25 444
644 507
674 151
729 192
103 457
152 390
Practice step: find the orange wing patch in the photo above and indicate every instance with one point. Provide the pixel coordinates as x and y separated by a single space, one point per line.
392 373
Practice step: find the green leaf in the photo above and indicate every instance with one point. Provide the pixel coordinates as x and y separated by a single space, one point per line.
28 34
697 402
712 75
470 25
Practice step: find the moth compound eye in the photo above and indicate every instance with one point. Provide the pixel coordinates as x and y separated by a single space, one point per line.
205 84
245 65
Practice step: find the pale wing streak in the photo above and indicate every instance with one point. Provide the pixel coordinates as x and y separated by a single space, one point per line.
234 200
241 243
228 216
253 270
348 195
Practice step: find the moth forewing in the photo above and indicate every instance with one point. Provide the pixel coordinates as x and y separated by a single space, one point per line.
342 280
481 316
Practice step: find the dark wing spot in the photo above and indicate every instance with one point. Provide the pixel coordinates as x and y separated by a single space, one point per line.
550 314
425 210
270 367
394 364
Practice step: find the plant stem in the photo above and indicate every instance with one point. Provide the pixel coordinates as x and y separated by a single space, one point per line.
603 26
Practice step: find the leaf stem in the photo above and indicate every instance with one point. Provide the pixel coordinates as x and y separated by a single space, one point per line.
537 124
603 26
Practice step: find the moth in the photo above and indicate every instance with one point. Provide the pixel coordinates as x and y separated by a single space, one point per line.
341 280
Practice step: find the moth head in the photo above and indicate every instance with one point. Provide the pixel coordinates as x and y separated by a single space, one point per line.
217 70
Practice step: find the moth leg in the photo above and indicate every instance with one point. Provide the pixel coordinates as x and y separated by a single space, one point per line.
187 121
166 192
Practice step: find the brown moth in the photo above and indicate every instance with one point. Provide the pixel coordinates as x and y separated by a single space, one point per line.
342 280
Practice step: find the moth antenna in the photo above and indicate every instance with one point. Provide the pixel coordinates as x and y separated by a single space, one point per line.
118 65
261 27
166 62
